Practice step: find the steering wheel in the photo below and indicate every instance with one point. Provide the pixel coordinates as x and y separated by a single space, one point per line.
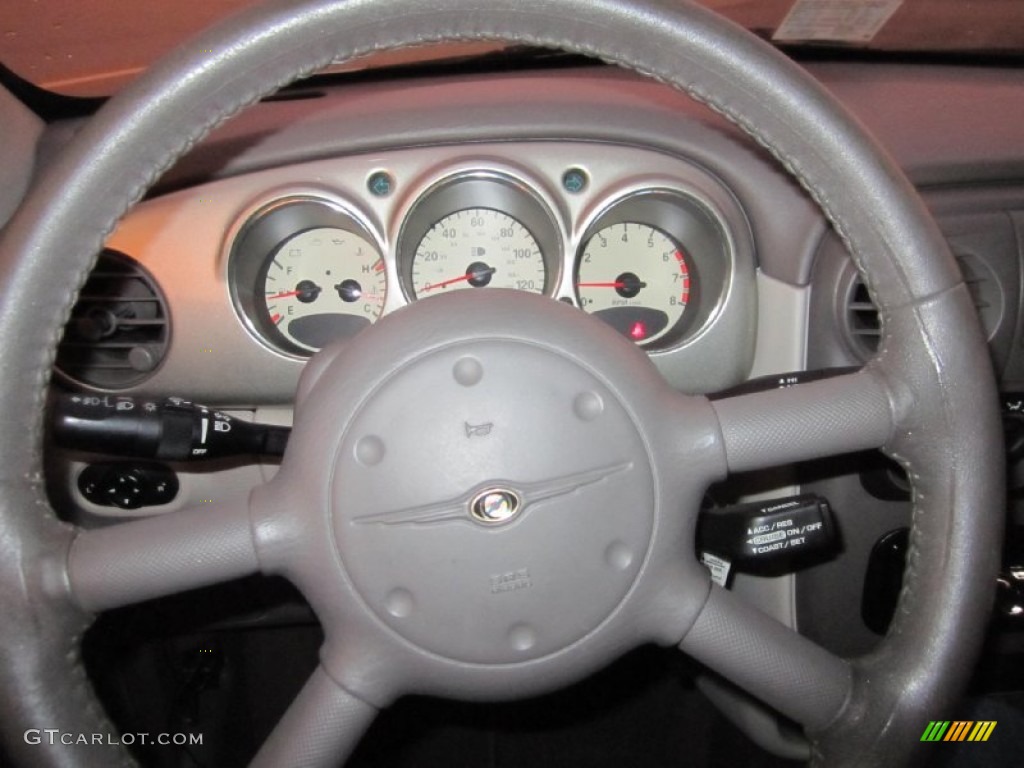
539 520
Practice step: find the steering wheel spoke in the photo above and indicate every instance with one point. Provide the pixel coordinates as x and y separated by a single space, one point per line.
808 421
319 730
143 559
782 668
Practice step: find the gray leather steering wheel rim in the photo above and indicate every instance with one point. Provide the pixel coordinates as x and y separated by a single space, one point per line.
932 368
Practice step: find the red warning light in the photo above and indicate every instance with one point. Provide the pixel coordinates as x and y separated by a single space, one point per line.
639 331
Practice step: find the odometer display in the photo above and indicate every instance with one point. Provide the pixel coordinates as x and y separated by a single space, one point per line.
634 277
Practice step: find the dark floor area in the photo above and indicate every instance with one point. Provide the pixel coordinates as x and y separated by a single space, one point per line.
175 666
179 666
642 711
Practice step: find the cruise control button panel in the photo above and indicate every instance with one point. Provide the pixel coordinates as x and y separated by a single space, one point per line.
774 535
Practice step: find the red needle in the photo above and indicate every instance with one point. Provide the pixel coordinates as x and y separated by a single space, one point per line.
600 285
284 295
443 283
476 270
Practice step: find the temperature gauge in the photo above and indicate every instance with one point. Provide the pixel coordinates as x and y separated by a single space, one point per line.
323 284
634 277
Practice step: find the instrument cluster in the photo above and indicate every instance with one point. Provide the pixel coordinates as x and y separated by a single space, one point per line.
652 254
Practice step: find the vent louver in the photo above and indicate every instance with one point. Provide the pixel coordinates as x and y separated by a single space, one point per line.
862 324
119 329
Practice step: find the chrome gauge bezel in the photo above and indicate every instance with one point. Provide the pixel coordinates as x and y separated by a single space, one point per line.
492 190
695 224
261 234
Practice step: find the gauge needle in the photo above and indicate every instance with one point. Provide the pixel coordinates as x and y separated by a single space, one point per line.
460 278
284 295
618 284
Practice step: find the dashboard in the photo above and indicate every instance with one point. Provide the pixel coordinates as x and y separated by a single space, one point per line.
482 225
311 217
281 262
315 214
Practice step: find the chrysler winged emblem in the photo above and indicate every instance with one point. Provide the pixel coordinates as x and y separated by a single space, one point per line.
495 502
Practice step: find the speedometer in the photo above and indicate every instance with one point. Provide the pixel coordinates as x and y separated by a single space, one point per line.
477 248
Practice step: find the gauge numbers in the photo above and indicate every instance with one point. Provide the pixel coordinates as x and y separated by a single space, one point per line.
477 248
323 284
635 278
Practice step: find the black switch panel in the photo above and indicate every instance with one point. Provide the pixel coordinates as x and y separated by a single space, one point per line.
128 486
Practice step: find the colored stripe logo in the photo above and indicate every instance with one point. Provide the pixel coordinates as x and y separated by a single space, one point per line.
958 730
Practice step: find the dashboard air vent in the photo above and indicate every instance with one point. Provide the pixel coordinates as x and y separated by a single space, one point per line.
119 329
862 324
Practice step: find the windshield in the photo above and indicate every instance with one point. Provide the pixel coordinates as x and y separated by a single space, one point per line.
92 49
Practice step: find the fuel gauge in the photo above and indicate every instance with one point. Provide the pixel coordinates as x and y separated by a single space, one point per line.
323 284
305 271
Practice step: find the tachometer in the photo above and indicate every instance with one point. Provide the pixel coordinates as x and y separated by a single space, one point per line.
634 277
323 284
477 248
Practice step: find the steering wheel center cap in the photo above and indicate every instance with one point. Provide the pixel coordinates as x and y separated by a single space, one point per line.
495 506
492 500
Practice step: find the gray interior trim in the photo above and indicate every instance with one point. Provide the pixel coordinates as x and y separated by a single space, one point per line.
782 426
546 106
931 118
21 133
756 652
123 564
322 727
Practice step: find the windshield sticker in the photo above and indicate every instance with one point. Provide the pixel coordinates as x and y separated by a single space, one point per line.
846 21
